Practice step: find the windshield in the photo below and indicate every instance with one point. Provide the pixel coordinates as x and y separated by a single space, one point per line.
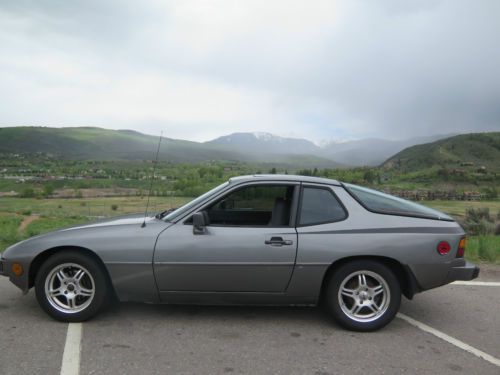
378 202
183 209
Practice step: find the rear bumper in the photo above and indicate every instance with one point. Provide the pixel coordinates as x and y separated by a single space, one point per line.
467 272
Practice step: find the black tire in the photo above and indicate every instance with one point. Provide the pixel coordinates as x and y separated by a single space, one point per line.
375 310
93 280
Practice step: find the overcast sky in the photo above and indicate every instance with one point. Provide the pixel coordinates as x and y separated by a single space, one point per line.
201 69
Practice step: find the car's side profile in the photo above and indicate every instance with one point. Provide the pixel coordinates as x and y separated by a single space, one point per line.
274 239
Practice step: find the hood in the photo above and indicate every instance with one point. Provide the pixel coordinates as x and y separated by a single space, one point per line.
80 235
132 219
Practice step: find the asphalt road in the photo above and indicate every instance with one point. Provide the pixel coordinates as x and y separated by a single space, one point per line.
160 339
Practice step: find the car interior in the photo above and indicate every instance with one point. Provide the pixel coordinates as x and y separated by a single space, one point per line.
259 205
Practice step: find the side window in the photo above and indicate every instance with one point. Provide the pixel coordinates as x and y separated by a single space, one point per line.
319 205
256 205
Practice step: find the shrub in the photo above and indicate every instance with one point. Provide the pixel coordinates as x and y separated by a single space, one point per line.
479 221
114 207
478 213
27 193
491 193
48 190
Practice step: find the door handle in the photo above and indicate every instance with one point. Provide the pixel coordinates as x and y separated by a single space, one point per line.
278 241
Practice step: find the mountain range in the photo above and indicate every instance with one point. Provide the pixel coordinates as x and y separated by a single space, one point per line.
104 144
90 143
363 152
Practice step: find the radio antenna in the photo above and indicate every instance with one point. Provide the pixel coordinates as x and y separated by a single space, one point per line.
152 179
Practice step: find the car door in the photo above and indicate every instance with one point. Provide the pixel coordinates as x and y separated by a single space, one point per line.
250 244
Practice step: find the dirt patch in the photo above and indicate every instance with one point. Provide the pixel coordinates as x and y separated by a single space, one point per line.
8 194
27 221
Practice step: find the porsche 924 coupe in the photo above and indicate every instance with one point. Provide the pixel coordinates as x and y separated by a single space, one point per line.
265 239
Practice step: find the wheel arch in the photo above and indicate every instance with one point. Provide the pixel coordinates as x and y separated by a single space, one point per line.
403 273
37 262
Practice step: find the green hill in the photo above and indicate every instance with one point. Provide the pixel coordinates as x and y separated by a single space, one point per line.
466 151
90 143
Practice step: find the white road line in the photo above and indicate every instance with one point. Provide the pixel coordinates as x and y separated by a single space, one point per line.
449 339
71 356
478 283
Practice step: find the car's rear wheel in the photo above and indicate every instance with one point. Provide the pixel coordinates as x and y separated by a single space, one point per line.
71 286
363 295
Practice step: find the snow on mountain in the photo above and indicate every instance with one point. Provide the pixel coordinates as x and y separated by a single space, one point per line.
361 152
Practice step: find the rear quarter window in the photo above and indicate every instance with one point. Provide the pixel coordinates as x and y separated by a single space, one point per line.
382 203
320 206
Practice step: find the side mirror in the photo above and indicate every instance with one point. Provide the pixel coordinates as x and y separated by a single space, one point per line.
199 223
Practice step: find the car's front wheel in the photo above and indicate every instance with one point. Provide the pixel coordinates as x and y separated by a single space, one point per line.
363 295
71 286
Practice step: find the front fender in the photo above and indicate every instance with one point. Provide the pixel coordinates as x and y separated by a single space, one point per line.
125 250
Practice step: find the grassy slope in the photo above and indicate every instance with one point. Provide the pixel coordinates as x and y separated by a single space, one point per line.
97 144
59 213
482 149
93 207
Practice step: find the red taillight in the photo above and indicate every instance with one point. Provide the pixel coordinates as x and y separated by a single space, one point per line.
461 248
443 248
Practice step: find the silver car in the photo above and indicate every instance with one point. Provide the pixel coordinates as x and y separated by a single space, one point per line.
266 239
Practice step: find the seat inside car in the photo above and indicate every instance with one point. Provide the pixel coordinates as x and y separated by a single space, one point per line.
281 213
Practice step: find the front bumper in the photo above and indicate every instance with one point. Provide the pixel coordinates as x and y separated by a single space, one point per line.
1 268
467 272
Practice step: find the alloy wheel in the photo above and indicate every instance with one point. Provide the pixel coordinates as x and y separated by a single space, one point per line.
364 296
69 288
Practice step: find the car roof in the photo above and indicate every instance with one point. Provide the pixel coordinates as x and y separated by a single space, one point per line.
284 177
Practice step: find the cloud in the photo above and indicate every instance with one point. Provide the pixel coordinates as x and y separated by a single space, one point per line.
200 69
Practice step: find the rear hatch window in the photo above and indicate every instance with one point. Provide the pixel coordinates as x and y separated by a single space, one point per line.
382 203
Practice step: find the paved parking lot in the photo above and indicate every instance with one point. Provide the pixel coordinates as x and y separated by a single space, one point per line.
160 339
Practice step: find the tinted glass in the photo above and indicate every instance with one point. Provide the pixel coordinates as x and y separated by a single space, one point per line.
183 209
389 204
257 205
320 206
